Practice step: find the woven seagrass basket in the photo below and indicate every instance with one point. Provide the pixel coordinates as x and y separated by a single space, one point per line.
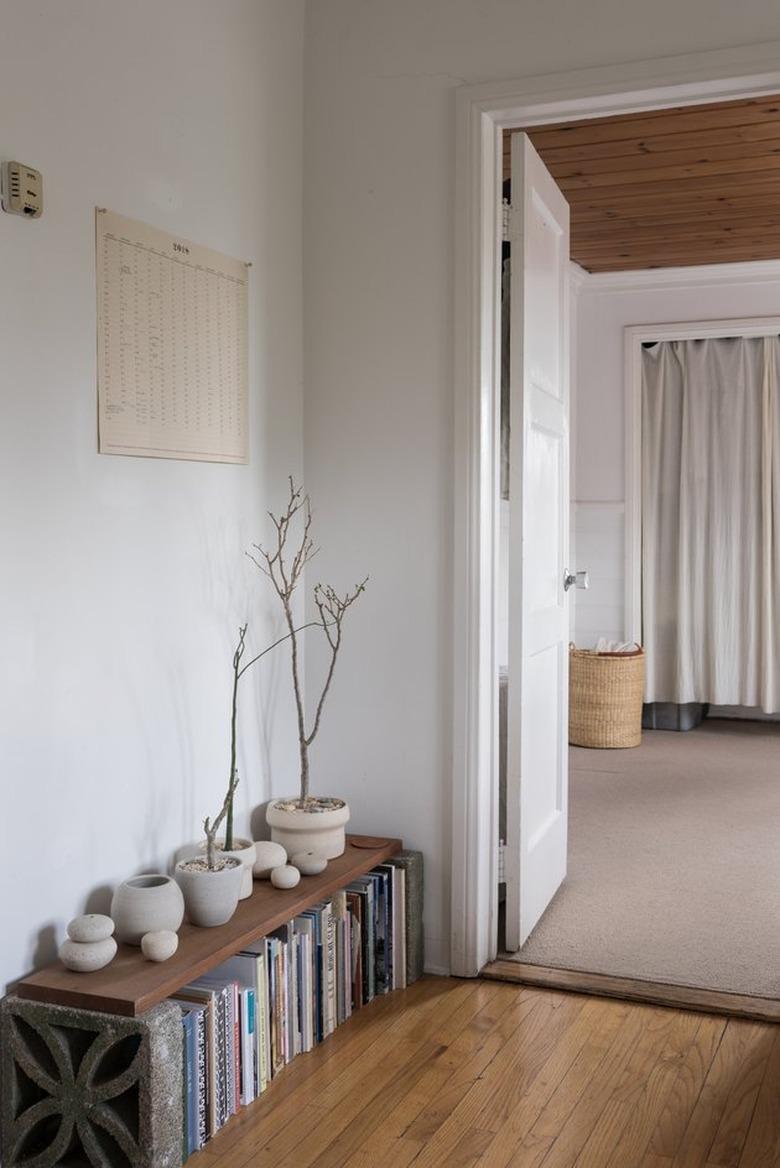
606 691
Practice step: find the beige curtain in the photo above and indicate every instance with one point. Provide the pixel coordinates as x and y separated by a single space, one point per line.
711 521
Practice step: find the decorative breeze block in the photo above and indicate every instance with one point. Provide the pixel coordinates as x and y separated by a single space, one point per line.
85 1088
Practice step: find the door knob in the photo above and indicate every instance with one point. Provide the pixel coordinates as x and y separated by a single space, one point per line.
575 580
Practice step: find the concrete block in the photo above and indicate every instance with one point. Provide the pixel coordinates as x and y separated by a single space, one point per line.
84 1088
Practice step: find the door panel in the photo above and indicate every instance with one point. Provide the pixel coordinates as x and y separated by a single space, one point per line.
537 741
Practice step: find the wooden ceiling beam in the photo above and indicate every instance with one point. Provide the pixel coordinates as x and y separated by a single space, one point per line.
696 141
754 182
703 251
677 210
668 173
619 231
648 122
691 259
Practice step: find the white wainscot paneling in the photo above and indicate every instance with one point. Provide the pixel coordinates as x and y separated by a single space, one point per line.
598 536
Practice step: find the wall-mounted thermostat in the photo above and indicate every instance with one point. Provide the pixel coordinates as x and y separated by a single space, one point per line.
22 189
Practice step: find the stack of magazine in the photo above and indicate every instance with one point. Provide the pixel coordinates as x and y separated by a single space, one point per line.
280 997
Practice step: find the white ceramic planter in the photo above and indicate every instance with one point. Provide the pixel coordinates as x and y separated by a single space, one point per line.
243 851
211 897
297 830
146 904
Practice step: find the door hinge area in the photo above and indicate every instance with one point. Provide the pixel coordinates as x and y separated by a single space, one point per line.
506 218
501 862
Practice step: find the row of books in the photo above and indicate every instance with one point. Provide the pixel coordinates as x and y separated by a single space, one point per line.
252 1015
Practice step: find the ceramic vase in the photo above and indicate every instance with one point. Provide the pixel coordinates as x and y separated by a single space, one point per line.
317 829
244 850
146 904
211 897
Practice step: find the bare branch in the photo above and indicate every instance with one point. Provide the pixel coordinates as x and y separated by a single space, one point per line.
285 569
211 829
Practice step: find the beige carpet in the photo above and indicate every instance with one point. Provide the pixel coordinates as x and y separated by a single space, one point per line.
674 862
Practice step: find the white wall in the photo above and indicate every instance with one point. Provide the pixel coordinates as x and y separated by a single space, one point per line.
378 230
605 306
123 580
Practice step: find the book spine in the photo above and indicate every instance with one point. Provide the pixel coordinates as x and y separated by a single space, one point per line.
236 1036
319 967
186 1031
279 1006
247 1045
264 1019
370 923
298 1004
400 925
223 1063
203 1078
330 974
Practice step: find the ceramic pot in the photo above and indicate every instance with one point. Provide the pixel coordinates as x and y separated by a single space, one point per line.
146 904
244 851
317 829
211 897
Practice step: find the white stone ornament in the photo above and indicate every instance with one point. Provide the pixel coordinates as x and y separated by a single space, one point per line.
285 876
159 946
90 927
309 863
268 856
87 956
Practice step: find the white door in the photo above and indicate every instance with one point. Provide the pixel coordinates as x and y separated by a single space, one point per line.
537 733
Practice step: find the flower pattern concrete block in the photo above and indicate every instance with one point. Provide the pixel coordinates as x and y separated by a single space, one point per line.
90 1088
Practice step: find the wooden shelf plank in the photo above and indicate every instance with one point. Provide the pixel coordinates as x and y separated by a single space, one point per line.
130 985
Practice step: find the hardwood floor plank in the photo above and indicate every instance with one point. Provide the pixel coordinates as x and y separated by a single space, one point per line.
462 1062
377 1123
721 1080
672 1122
762 1145
299 1085
460 1109
635 1044
733 1128
645 1105
622 1132
478 1074
573 1059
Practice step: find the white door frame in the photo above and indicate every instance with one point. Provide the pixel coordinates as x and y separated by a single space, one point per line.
482 114
634 336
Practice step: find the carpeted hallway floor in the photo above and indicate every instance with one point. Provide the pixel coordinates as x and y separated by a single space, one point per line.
674 862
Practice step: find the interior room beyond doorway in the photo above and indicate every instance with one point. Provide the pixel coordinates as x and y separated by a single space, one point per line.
650 202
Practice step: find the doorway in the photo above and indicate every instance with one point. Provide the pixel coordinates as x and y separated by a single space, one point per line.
717 234
482 113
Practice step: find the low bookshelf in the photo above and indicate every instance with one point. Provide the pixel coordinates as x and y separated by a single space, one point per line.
120 1019
131 985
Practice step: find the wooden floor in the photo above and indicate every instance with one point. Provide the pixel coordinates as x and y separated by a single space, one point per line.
459 1073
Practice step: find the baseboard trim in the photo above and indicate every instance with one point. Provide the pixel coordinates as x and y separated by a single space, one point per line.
635 990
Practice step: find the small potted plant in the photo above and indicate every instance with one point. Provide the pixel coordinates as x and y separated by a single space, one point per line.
207 878
305 822
211 883
242 849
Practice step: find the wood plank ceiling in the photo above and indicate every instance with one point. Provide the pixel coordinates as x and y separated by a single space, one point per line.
668 188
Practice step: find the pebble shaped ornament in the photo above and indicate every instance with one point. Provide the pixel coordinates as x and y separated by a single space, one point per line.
87 956
309 863
160 945
268 856
91 927
285 876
